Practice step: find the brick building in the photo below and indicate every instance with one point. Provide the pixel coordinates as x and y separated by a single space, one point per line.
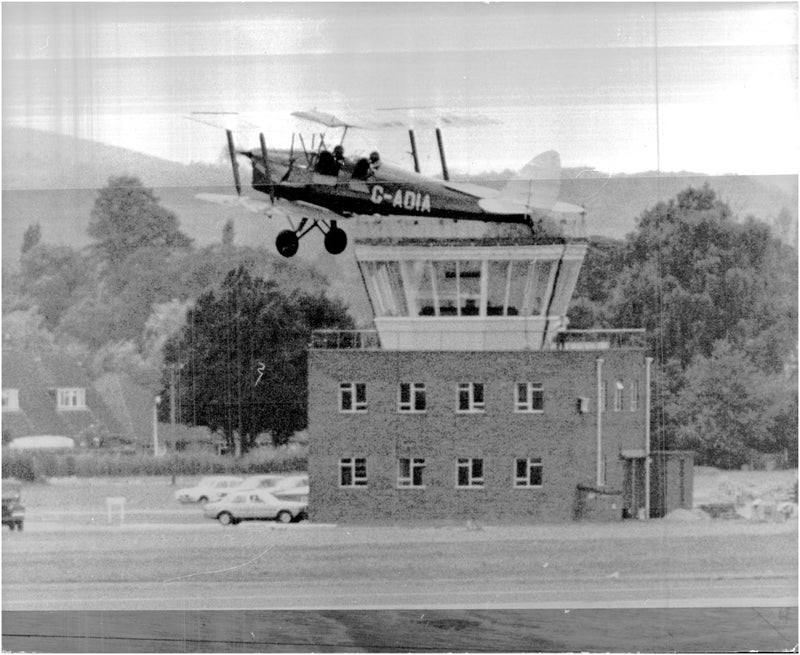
472 400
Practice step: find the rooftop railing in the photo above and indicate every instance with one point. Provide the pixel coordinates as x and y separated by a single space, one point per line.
598 339
345 340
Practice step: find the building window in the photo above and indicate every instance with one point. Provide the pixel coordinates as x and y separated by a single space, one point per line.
634 395
10 400
469 472
71 398
470 397
412 397
353 472
530 397
352 397
409 472
619 395
528 472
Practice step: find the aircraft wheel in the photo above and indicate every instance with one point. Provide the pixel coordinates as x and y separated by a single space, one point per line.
287 243
335 241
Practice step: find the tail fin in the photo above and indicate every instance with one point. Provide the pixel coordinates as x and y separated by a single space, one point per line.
538 183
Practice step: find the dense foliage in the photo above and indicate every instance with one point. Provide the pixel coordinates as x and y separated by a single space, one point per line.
241 359
719 301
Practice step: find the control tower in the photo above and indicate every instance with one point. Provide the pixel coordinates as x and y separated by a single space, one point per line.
471 398
470 296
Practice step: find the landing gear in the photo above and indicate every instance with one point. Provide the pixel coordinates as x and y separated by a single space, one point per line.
288 241
335 240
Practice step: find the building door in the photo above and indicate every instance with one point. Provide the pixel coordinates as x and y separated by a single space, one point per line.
633 500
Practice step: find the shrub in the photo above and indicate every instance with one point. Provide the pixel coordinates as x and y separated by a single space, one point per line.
30 466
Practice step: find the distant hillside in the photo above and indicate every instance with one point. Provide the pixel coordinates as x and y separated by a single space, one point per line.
53 180
33 159
614 203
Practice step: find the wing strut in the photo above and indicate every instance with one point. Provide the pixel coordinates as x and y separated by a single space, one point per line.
414 150
445 174
234 164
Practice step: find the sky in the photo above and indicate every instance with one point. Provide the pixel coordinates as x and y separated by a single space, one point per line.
702 87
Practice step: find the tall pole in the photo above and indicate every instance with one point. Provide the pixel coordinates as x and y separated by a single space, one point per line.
600 476
647 364
155 425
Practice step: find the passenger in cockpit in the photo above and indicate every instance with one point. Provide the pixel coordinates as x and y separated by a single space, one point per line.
374 161
338 155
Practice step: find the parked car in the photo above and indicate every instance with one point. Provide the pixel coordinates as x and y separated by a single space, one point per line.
299 494
273 482
256 504
209 489
13 510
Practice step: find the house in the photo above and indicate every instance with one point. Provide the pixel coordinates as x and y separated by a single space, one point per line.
52 394
471 398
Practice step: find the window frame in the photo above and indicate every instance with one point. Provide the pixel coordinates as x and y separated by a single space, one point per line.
619 395
415 390
414 464
352 464
351 389
474 407
76 394
474 481
527 406
634 395
524 482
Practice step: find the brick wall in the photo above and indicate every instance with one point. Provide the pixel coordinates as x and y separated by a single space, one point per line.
561 436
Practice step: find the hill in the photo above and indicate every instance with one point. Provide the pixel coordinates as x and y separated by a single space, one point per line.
53 180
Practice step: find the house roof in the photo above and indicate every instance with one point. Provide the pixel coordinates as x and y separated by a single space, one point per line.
37 376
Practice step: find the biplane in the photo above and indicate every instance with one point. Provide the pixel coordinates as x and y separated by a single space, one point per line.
328 187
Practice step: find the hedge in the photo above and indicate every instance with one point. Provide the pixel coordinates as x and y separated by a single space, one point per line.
30 466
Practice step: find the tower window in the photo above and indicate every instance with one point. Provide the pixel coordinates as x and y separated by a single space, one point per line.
352 397
528 472
471 397
353 472
469 472
529 397
412 397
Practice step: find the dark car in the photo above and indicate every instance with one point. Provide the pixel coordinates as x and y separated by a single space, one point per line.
13 510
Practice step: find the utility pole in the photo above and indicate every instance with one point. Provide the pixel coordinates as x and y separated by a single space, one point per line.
156 403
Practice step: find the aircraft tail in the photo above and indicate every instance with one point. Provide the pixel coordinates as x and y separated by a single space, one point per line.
537 184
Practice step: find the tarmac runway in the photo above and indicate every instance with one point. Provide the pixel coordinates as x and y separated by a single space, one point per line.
741 577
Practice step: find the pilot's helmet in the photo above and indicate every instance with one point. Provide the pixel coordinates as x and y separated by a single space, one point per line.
338 152
374 157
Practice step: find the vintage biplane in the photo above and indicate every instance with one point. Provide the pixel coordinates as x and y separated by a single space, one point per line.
328 187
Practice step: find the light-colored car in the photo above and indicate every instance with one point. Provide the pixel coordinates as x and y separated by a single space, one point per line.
273 482
209 489
256 504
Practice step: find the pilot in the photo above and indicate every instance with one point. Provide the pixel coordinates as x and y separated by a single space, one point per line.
338 154
374 160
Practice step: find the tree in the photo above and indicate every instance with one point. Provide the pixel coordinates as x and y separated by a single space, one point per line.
126 216
724 408
693 276
32 236
241 359
53 277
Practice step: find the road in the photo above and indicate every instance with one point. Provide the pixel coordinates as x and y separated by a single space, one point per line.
203 566
152 585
